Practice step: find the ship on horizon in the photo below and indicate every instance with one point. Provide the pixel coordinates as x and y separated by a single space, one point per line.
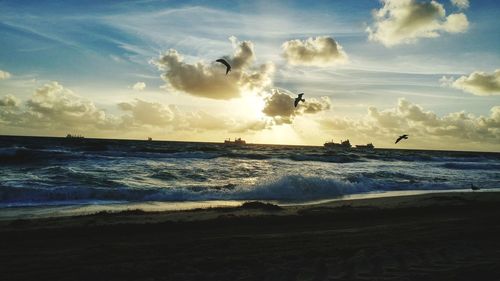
345 145
70 136
333 145
237 141
368 146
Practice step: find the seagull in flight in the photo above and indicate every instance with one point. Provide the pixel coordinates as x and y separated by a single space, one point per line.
402 137
299 99
224 62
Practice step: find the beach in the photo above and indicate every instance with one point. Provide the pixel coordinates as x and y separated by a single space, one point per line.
436 236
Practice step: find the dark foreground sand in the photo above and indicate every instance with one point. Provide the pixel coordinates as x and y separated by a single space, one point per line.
452 236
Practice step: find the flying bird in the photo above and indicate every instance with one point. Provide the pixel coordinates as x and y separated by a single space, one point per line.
299 99
402 137
224 62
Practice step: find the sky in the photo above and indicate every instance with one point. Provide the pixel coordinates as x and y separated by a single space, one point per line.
370 70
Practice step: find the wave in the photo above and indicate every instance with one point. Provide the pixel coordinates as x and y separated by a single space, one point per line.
253 156
23 155
282 188
346 158
472 166
135 154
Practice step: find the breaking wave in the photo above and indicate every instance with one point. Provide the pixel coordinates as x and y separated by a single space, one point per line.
283 188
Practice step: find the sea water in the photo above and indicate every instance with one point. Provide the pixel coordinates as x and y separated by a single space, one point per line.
37 171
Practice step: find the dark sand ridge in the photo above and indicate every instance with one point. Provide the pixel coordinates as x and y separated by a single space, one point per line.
442 236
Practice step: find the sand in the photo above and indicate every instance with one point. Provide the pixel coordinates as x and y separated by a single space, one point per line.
442 236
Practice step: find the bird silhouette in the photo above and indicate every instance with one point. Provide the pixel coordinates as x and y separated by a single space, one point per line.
401 137
299 99
224 62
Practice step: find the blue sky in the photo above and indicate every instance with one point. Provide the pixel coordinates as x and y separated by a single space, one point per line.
100 50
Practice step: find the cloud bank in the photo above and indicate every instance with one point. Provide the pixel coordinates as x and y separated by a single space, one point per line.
319 51
208 80
405 21
458 128
55 109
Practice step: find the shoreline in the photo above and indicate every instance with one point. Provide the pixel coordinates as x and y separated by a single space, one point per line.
81 209
445 236
130 214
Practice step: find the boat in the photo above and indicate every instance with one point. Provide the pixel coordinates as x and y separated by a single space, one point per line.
237 141
150 139
368 146
70 136
342 145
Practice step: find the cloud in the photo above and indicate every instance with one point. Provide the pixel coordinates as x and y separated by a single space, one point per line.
319 51
446 81
4 75
456 128
280 106
54 108
139 86
9 101
208 80
142 113
146 113
404 21
461 4
335 124
477 83
251 126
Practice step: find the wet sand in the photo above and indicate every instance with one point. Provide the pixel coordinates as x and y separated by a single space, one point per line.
442 236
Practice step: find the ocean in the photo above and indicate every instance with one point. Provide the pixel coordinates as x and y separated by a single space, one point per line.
56 172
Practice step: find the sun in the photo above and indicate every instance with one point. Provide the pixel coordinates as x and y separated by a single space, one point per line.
250 106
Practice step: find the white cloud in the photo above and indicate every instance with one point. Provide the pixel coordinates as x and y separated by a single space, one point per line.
209 80
479 83
319 51
146 113
405 21
9 101
4 75
53 106
446 81
461 4
139 86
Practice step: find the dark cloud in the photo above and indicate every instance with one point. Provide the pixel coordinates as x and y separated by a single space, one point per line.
280 106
